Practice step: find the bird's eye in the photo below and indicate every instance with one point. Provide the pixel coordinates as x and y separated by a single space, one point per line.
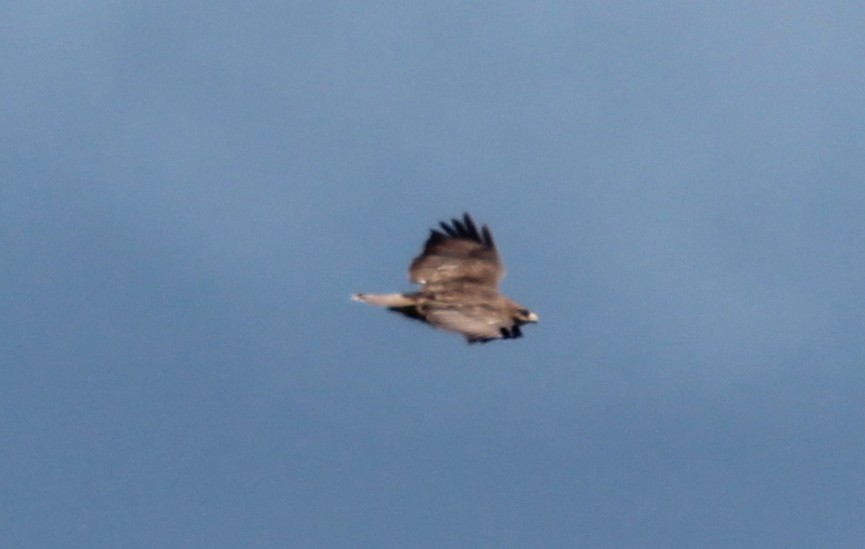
524 312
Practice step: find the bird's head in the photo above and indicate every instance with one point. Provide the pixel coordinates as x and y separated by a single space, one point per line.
525 316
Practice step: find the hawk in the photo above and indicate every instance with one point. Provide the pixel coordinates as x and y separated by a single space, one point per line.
459 271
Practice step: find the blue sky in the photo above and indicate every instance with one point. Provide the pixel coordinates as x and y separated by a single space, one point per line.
191 193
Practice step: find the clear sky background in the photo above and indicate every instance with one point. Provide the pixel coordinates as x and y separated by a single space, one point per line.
190 191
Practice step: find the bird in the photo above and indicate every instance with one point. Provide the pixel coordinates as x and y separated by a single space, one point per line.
458 270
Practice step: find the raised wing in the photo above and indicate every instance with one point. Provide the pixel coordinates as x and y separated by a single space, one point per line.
458 253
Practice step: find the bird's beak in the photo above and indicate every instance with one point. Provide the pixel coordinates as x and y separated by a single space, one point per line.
532 317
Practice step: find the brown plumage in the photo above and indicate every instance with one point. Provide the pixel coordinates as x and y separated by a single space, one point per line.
459 271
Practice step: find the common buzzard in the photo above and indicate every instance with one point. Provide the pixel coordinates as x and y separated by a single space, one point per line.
459 272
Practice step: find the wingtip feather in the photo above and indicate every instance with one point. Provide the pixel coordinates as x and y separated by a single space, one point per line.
488 237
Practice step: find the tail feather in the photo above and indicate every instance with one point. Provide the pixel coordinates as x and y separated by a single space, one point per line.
384 300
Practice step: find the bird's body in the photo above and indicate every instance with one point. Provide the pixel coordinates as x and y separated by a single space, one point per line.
459 271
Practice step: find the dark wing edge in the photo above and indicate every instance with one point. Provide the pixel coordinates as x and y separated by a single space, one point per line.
465 229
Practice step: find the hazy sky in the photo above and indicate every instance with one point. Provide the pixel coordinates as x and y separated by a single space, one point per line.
191 191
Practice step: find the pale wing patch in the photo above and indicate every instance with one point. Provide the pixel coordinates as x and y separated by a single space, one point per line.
468 325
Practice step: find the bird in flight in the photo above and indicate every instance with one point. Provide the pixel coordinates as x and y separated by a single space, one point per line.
459 271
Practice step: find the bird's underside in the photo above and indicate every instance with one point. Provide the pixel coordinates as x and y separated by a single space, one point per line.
458 271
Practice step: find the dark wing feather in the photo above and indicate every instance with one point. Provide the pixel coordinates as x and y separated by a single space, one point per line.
459 254
447 229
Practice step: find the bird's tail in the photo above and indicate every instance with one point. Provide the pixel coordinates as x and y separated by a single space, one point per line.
384 300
